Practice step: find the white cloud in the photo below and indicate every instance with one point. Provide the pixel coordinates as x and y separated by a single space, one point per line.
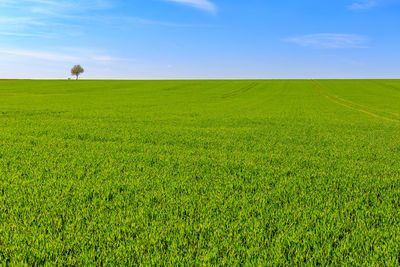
79 55
48 18
329 40
158 22
39 55
17 34
363 4
19 20
200 4
55 8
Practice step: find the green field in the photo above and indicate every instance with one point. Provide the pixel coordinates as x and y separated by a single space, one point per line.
200 172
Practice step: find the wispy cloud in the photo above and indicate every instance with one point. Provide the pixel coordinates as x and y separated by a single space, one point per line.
48 11
17 34
48 18
20 20
364 4
144 21
60 5
60 18
39 55
200 4
82 55
329 40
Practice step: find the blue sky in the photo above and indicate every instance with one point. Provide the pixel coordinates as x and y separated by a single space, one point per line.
167 39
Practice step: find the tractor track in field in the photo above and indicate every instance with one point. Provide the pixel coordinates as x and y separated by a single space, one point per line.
240 90
354 103
337 100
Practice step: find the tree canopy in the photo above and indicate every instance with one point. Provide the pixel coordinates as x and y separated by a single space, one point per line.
77 70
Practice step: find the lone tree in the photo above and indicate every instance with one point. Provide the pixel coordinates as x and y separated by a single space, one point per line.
77 70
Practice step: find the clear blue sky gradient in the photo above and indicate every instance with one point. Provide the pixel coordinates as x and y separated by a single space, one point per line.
168 39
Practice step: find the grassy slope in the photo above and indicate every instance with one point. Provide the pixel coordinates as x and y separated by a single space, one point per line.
199 171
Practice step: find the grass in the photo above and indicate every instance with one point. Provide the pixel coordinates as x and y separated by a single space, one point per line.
200 172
